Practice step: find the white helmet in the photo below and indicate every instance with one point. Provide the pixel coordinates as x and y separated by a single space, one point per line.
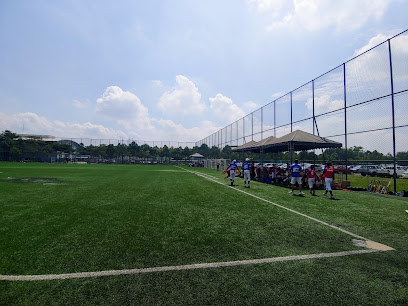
246 159
234 161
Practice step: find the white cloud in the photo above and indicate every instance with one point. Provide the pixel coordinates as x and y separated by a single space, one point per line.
34 124
123 106
324 103
184 98
314 15
250 106
370 73
169 130
399 44
277 95
81 104
224 108
372 43
272 6
161 129
157 83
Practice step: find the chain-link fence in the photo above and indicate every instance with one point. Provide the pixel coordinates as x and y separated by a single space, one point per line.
362 104
85 142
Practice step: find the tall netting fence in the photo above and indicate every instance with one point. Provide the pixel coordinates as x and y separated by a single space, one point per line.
362 103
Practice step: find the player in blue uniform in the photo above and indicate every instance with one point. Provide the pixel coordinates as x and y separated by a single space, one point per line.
247 175
233 167
295 170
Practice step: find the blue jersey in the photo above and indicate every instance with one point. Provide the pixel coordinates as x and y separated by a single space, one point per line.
233 166
295 168
246 166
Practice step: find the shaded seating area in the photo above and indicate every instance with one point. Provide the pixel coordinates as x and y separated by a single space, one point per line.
245 146
292 142
295 141
196 160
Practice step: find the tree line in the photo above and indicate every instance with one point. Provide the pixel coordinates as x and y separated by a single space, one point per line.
14 148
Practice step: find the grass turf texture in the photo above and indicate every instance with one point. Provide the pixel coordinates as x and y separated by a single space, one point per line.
103 217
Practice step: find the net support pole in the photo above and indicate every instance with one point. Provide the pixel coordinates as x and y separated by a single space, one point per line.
274 118
345 115
291 113
393 118
314 119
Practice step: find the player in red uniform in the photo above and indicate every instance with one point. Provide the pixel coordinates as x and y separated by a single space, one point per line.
311 178
328 174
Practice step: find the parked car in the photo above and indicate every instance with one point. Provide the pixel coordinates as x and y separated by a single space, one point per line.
405 174
388 171
342 169
368 170
356 168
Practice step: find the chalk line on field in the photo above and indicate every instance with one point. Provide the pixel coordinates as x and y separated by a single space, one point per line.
179 268
370 244
180 171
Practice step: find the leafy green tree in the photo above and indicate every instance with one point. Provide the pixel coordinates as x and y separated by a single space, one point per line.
6 143
102 150
134 149
121 151
186 153
204 150
214 152
178 153
165 152
15 154
111 151
226 152
144 151
153 152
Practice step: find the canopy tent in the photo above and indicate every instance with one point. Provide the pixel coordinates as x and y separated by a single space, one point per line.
295 141
244 146
258 146
299 141
196 155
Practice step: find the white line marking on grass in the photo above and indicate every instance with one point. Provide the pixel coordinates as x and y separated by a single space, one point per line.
169 170
373 245
179 268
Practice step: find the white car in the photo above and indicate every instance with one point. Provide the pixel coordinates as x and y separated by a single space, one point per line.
388 171
405 174
356 168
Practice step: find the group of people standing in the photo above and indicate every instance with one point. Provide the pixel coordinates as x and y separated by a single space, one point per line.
246 168
327 176
295 172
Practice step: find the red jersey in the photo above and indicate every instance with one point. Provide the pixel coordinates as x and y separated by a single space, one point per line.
329 172
311 173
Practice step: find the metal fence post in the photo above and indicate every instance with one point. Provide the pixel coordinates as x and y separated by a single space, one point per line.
345 114
313 107
237 133
252 131
231 136
291 114
393 117
314 120
261 122
274 118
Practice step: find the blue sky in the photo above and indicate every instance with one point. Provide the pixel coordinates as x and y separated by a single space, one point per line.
170 70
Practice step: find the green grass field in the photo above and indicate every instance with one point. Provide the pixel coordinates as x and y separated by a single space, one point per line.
357 180
63 218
